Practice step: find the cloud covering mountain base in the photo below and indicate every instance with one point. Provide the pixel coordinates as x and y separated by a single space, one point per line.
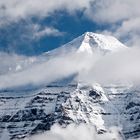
122 65
73 132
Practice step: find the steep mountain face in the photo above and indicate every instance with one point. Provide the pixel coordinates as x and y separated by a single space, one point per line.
104 107
27 112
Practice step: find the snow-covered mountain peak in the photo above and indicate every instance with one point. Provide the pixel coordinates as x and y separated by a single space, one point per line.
97 42
89 42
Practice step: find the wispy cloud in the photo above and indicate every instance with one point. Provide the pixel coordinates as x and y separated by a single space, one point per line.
15 10
47 31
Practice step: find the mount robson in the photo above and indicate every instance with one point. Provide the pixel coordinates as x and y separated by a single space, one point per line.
87 89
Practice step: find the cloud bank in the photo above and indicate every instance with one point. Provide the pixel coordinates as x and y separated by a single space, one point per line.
73 132
121 66
58 67
14 10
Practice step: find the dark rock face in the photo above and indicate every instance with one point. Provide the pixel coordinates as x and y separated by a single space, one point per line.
94 94
26 115
37 112
132 104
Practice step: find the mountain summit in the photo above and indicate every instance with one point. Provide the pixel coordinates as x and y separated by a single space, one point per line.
91 42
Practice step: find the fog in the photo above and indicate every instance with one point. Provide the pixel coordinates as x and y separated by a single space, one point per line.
113 67
52 69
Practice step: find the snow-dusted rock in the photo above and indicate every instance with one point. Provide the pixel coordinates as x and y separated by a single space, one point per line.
27 112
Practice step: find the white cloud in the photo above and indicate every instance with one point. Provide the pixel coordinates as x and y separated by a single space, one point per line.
60 66
73 132
89 68
8 62
15 10
104 11
121 67
47 31
122 17
130 29
112 11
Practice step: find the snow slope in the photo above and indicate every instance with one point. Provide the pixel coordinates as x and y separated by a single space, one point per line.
90 42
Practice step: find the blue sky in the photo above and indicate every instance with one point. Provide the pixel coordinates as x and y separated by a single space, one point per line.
33 27
72 26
